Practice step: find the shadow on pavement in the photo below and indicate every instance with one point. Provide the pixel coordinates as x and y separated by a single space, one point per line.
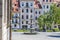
29 33
56 36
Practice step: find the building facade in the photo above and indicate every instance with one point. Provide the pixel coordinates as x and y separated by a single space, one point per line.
27 13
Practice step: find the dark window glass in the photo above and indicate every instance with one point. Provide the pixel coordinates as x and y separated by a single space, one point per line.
47 7
22 4
26 22
35 18
36 12
22 22
31 4
15 25
15 4
26 10
39 12
43 0
26 16
46 0
31 11
22 17
16 21
26 4
22 10
16 9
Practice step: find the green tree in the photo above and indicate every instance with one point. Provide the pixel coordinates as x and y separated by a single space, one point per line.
51 17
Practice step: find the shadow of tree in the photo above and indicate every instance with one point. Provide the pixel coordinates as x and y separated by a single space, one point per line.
56 36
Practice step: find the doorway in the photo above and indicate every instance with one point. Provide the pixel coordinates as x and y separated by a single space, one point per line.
24 27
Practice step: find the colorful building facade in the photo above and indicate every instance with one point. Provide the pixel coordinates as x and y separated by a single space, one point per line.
27 10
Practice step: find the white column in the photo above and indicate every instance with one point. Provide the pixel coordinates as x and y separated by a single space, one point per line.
4 20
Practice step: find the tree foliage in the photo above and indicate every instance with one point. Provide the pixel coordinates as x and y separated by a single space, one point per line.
51 17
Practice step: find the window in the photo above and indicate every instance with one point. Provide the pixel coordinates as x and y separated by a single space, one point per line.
15 4
22 10
26 22
47 6
31 11
26 16
31 4
36 12
39 12
31 16
22 22
26 10
43 0
15 25
35 18
44 6
16 21
22 4
22 17
27 5
46 0
16 9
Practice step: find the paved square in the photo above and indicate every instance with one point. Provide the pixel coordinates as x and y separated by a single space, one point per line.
39 36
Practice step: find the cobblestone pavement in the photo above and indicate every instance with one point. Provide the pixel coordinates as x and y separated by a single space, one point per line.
38 36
